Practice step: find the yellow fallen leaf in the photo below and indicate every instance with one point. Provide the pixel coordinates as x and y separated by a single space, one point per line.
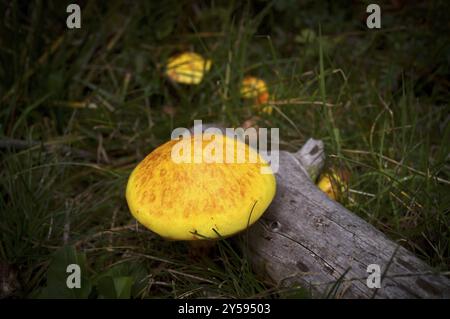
187 68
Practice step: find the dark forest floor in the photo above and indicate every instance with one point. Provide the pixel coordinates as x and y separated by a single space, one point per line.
96 102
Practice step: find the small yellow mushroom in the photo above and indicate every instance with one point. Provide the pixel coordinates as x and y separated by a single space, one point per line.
187 68
255 88
334 183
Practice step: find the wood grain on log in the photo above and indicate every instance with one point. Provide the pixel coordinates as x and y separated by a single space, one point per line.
306 239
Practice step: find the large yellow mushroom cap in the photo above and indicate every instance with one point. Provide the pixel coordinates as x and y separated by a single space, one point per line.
187 68
189 201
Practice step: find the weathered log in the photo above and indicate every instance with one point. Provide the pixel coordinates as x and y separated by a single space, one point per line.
305 239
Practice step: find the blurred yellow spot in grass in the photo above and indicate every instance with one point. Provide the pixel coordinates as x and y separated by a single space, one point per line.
256 89
187 68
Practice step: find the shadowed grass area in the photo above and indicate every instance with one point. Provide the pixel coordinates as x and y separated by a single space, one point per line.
80 108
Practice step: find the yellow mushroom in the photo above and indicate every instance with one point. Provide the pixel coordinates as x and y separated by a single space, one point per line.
334 183
256 89
205 200
187 68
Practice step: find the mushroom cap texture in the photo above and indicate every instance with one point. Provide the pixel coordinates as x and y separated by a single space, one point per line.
191 201
187 68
